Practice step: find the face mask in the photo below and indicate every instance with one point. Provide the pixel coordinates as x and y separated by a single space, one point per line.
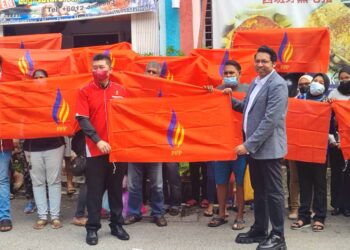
304 89
100 75
316 88
231 80
344 87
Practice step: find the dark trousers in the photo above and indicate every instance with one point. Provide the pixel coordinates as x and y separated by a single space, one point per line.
81 205
99 177
340 180
172 184
313 188
266 179
198 169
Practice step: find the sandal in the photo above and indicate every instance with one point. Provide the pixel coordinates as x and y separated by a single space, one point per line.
191 203
238 224
217 221
204 203
299 224
40 224
56 224
206 213
79 221
71 190
319 227
5 225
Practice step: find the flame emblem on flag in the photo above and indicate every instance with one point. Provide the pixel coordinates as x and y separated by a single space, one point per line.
165 72
25 64
176 132
285 52
60 110
107 52
224 60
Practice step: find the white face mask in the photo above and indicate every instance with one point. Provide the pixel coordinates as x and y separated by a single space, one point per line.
316 88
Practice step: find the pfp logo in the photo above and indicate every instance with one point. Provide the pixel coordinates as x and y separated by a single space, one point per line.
165 72
176 134
107 52
224 60
25 64
60 111
285 52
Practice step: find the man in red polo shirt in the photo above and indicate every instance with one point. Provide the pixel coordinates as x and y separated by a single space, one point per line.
100 173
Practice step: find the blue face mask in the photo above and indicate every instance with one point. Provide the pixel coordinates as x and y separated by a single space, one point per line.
316 88
231 81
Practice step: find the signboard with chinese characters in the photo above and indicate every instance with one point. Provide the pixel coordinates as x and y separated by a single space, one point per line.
34 11
231 16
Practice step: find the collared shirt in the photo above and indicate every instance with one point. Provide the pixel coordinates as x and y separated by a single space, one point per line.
259 83
92 103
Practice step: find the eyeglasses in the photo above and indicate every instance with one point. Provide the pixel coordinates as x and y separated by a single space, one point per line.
261 61
153 72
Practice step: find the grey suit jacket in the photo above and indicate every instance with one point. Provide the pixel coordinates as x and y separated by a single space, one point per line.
265 137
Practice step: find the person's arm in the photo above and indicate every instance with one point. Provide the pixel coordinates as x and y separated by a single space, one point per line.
88 129
275 109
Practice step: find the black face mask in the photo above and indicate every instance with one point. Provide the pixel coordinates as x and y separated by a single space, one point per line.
344 87
304 89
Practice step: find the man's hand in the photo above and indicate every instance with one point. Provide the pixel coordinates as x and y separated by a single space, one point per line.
227 91
104 147
241 150
210 88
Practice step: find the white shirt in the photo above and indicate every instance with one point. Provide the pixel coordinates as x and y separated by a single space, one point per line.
259 84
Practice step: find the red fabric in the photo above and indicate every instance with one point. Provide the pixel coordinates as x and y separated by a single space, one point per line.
172 129
38 41
342 114
216 59
298 49
307 130
6 145
19 64
40 108
92 102
187 69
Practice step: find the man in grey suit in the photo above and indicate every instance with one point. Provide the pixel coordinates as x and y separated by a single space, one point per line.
264 116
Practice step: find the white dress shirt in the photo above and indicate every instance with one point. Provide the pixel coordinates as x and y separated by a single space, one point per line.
259 83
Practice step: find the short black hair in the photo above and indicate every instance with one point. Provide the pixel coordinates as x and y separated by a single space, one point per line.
99 57
234 64
42 71
268 50
344 69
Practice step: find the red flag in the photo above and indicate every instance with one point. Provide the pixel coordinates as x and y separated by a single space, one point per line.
307 130
19 64
298 49
38 41
186 69
342 114
218 57
142 85
40 108
171 129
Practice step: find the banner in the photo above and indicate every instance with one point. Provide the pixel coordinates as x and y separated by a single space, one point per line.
298 49
41 107
232 16
39 41
173 129
188 69
342 114
307 130
218 57
19 64
36 11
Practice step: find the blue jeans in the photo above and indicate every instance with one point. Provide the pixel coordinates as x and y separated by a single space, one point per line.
5 158
135 177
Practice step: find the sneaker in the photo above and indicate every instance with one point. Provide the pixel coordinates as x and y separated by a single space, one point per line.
30 207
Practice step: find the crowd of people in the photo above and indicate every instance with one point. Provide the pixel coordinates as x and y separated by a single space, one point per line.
265 144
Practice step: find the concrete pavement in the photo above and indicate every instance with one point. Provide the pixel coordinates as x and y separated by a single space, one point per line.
187 232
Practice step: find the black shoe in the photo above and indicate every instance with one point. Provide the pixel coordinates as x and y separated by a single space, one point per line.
131 219
336 211
160 221
252 236
174 211
119 232
273 242
91 237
